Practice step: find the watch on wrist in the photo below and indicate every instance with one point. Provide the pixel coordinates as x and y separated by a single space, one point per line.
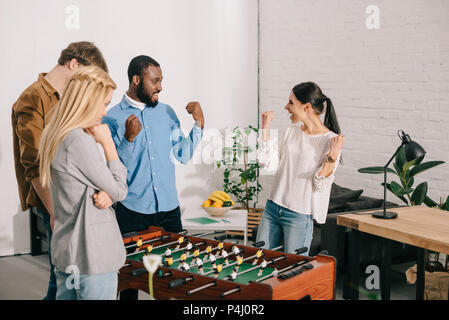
330 159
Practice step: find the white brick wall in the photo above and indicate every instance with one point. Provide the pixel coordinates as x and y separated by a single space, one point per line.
396 77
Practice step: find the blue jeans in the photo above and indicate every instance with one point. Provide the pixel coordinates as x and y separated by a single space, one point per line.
75 286
280 225
51 291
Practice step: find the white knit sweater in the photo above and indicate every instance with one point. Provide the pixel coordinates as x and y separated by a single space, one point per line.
298 158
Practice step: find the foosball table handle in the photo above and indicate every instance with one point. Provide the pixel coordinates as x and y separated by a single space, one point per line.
138 272
259 244
301 250
179 282
236 289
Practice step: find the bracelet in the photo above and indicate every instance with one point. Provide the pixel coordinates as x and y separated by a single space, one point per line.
329 159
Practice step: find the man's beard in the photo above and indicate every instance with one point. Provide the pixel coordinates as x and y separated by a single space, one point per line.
144 97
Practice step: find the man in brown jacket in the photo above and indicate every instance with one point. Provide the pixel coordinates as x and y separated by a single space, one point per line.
30 114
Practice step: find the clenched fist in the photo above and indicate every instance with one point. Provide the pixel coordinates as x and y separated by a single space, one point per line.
267 117
132 128
102 200
336 145
194 108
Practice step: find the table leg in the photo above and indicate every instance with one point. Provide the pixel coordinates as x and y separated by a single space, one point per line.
385 269
420 276
245 236
352 276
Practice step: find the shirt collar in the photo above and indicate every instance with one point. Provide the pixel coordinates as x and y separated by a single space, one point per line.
46 85
133 103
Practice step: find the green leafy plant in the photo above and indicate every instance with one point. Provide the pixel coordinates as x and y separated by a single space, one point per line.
406 172
240 178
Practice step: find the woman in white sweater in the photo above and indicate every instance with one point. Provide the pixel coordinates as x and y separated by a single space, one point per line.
306 159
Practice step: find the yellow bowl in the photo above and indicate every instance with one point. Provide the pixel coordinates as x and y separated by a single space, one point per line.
216 212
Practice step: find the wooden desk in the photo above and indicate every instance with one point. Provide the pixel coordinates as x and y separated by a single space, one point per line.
419 226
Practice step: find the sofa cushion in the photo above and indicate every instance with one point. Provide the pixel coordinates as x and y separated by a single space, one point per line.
363 203
340 196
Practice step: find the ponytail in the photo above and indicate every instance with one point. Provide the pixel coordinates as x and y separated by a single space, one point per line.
330 117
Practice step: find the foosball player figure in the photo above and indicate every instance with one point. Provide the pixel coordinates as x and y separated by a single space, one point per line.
149 248
224 255
199 264
168 261
139 243
220 247
212 260
182 259
218 269
208 253
239 260
196 255
259 254
180 241
184 266
189 247
263 265
236 250
234 274
168 257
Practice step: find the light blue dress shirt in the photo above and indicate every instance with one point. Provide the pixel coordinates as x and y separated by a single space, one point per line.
150 158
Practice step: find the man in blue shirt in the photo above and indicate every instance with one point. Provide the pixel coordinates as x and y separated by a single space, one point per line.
149 140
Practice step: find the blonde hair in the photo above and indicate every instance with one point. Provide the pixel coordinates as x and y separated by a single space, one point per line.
82 100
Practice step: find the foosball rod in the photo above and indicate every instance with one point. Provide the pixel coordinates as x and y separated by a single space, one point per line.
283 257
234 263
161 238
157 247
177 282
238 274
274 274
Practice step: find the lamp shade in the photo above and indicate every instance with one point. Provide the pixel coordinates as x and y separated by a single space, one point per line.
413 151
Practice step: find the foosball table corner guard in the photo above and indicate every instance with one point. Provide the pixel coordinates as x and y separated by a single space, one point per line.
290 276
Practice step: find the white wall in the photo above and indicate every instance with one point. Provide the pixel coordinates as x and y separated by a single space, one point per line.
207 50
380 80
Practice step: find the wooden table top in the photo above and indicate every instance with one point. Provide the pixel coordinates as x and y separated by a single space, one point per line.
419 226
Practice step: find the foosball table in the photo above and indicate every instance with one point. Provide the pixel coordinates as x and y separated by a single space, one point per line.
203 269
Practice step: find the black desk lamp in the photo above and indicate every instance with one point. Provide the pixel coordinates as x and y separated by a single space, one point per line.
412 152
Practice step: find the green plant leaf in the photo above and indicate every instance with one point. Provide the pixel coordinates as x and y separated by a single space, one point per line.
397 189
445 205
429 202
375 170
399 196
400 159
424 166
420 193
414 162
408 179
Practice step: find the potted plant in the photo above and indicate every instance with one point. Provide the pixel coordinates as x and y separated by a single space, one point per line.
241 175
405 190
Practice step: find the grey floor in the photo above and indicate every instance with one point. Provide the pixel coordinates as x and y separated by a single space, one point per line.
25 277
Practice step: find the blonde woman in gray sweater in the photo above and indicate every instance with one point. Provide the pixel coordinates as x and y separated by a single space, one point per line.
306 158
87 247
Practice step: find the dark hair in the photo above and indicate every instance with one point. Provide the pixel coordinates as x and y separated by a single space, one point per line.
138 64
86 53
309 92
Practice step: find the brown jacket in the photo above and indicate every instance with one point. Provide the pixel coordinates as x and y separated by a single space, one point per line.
29 115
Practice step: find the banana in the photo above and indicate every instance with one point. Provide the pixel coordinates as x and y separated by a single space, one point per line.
215 199
222 193
219 196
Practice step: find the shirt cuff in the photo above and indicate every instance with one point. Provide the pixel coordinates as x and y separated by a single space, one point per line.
197 124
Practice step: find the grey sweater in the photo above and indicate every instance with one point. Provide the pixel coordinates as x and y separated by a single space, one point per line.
84 236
